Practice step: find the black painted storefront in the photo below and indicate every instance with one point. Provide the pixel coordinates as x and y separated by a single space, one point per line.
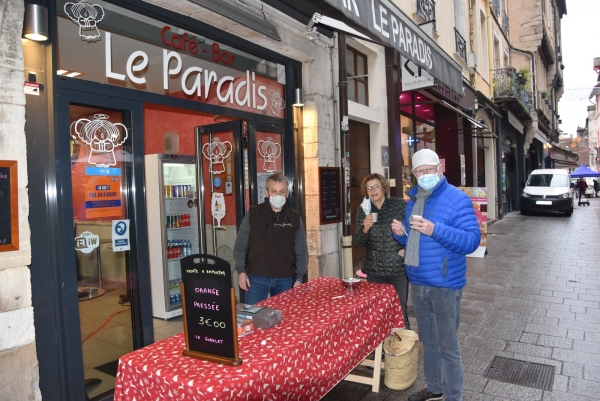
53 270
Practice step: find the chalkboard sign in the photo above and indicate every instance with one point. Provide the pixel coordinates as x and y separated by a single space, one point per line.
9 206
330 199
209 315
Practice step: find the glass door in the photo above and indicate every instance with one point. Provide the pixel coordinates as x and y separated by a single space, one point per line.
104 138
222 193
265 156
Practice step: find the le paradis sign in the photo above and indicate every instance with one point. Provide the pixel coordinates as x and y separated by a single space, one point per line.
126 50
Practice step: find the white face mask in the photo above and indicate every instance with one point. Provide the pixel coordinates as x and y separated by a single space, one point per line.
277 201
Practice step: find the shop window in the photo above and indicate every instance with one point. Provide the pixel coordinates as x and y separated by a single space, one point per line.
358 84
417 126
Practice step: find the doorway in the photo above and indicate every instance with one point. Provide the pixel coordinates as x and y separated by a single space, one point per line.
103 214
360 167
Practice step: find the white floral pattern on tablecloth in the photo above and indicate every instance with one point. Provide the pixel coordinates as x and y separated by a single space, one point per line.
320 341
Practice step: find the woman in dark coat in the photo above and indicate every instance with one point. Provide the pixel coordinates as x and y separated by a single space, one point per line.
384 261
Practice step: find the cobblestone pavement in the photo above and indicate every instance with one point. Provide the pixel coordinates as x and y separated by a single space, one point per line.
534 297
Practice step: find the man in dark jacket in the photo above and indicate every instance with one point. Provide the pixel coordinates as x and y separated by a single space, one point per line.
442 230
270 248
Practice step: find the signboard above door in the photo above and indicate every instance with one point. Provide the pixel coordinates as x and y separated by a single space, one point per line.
132 51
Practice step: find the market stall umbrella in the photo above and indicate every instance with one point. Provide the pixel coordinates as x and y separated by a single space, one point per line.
584 171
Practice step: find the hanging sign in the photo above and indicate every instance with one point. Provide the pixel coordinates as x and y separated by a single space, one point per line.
120 235
413 76
209 315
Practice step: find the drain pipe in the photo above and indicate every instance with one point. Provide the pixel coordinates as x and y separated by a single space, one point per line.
345 148
336 144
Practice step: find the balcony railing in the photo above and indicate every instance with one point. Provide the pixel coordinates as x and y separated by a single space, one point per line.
426 10
461 45
496 7
505 24
508 84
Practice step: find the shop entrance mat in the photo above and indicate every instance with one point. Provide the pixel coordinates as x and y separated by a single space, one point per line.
109 368
522 373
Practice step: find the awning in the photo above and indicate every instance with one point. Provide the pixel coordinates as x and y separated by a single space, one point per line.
387 25
447 105
565 152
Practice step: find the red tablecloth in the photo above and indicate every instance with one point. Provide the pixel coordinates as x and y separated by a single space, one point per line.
320 341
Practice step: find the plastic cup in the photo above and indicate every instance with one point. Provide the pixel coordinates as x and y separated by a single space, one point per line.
374 217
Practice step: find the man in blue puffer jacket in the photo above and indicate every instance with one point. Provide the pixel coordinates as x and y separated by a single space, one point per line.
441 228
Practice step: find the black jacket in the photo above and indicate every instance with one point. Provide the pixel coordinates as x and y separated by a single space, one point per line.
382 257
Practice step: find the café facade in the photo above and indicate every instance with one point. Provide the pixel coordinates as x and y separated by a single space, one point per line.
116 82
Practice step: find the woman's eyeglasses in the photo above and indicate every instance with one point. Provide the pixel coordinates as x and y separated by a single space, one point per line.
373 187
428 170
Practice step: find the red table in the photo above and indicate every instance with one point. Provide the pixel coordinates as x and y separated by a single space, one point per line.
326 332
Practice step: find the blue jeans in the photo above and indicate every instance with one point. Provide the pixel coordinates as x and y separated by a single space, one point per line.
438 317
400 283
260 287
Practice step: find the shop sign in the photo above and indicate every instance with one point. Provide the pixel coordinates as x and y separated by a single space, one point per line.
392 27
444 90
413 76
147 55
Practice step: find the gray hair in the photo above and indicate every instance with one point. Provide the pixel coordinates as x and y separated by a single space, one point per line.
278 177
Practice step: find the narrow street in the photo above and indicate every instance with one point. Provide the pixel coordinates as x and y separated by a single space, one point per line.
535 297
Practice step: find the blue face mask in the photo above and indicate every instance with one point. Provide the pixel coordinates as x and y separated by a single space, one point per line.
428 181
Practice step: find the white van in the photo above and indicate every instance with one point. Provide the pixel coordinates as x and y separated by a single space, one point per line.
547 190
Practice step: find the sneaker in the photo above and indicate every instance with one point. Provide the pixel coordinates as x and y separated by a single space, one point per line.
425 395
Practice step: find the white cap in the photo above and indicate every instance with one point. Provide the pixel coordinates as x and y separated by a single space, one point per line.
425 157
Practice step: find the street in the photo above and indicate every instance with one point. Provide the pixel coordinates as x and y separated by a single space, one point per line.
534 297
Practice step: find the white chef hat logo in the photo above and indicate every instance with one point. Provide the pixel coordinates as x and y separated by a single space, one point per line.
87 16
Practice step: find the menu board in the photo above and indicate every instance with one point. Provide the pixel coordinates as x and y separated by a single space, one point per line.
330 200
209 315
9 212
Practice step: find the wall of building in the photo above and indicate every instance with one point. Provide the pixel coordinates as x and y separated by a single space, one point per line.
317 120
18 358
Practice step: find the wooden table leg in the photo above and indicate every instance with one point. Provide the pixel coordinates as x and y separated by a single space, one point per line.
377 365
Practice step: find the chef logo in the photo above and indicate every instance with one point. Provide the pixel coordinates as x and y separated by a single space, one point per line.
216 152
270 151
87 16
102 138
277 102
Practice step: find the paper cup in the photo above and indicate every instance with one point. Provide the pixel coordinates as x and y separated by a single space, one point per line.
374 217
414 216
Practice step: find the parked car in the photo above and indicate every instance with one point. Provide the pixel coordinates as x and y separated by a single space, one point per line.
547 190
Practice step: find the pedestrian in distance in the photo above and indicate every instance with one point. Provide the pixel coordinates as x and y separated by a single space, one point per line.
596 188
581 187
384 261
270 249
439 229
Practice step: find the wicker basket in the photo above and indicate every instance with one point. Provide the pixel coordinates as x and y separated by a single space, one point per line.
401 359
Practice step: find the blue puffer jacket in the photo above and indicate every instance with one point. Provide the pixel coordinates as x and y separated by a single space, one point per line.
456 233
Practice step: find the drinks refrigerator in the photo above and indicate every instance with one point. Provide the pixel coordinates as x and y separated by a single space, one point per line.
172 227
